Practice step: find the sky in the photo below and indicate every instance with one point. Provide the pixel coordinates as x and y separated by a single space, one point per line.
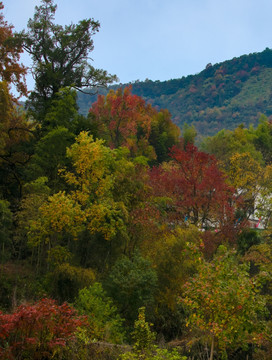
160 39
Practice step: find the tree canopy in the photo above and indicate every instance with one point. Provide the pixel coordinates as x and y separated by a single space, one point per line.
60 56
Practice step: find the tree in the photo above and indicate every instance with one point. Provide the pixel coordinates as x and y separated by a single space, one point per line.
15 132
65 281
60 56
264 201
195 189
88 205
225 303
132 283
16 136
124 119
10 50
253 183
164 134
226 143
245 174
174 255
50 156
260 257
189 134
104 321
263 138
63 111
144 347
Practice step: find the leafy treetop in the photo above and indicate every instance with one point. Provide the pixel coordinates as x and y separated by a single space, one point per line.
60 55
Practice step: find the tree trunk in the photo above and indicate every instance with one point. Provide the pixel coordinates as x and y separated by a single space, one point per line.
212 348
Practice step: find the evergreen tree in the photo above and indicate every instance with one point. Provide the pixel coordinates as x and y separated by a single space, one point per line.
60 56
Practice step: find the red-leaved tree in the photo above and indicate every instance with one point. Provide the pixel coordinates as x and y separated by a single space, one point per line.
39 331
123 119
195 191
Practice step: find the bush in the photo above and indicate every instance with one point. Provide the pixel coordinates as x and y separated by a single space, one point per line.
41 331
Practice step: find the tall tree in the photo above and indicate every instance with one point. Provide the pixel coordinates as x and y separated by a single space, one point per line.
60 56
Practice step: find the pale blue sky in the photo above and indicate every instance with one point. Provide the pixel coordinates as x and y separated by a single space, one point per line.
159 39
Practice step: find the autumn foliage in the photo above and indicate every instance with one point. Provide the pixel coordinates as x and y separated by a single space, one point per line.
115 211
39 331
224 302
196 189
124 119
10 50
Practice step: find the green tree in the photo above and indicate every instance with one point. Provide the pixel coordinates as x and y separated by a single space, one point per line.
144 347
60 56
263 138
225 303
174 255
65 281
35 193
104 321
63 111
142 335
226 143
132 283
50 156
189 134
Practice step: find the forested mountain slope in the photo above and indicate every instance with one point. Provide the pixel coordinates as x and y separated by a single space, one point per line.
223 95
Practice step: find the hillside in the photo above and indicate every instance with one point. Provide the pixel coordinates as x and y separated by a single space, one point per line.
221 96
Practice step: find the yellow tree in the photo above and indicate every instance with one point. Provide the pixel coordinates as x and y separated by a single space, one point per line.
89 205
264 200
245 174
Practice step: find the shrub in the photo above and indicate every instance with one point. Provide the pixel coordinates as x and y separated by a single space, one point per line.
41 331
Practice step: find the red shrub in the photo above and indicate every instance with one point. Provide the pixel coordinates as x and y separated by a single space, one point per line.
38 331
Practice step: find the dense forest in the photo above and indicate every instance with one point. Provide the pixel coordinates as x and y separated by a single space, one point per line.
121 239
221 96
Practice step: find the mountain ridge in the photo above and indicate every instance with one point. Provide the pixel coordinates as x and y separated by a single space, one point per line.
223 95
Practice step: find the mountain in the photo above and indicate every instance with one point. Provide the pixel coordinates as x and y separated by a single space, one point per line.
223 95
